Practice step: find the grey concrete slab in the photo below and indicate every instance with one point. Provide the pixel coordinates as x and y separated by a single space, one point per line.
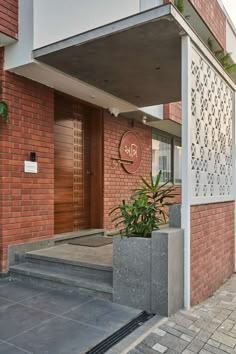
119 58
59 336
17 318
78 254
5 302
103 314
16 253
6 348
4 281
18 291
57 301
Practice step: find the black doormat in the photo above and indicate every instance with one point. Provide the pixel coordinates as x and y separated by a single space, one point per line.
92 241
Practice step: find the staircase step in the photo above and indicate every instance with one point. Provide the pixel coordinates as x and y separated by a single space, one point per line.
83 270
69 236
47 276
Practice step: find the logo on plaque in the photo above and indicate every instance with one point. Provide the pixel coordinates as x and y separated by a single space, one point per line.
131 152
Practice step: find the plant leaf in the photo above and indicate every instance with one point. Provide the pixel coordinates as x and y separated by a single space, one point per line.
4 111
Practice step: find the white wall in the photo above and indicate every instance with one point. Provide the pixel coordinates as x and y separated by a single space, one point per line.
231 41
20 53
147 4
55 20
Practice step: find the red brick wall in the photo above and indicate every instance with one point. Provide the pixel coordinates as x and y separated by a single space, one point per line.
9 17
173 111
212 14
212 248
118 184
27 200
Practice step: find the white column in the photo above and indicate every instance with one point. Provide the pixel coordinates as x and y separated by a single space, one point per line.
234 175
186 161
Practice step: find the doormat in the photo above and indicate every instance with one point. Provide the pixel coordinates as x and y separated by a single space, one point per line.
92 241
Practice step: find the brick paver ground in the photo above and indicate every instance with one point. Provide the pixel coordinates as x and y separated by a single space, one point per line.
206 328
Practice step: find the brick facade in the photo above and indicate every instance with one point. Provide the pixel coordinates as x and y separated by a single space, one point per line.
213 16
9 17
27 200
173 111
118 184
212 248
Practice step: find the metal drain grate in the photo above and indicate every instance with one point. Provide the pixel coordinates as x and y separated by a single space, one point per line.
116 337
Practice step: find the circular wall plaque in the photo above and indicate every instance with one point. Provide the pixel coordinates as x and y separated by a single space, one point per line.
130 152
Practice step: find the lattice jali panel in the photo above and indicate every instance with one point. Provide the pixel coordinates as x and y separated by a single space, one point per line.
78 190
212 138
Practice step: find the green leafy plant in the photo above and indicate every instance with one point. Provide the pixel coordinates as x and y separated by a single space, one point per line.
180 5
4 111
226 61
145 210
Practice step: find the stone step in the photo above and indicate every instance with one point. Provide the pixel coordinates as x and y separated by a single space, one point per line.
69 236
83 270
46 276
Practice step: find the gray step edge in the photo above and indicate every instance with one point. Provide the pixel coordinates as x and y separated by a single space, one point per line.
78 263
69 280
77 234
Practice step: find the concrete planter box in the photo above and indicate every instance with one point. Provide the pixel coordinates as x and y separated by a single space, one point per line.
132 271
148 273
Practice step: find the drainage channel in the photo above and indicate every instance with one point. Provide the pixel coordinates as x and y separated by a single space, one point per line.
123 332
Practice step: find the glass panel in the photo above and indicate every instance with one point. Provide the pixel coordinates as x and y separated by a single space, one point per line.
161 157
177 163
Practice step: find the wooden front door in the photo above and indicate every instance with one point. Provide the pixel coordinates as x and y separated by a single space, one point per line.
73 165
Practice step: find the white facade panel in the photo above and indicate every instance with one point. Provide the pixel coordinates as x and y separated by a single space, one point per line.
212 135
56 20
20 53
231 41
148 4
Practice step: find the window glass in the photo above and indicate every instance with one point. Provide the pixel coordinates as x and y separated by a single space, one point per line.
161 157
177 163
167 157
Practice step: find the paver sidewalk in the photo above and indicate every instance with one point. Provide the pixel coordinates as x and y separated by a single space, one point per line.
206 328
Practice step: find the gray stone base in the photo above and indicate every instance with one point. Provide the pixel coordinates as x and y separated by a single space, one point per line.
16 253
175 215
167 271
148 273
4 275
132 272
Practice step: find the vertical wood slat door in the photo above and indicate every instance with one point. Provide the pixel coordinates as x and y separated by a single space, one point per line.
72 166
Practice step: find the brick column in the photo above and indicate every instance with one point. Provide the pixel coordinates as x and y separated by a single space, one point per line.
9 18
27 200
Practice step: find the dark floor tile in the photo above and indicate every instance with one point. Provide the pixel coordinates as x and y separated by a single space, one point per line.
57 301
18 291
5 302
10 349
59 336
103 314
5 281
17 318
